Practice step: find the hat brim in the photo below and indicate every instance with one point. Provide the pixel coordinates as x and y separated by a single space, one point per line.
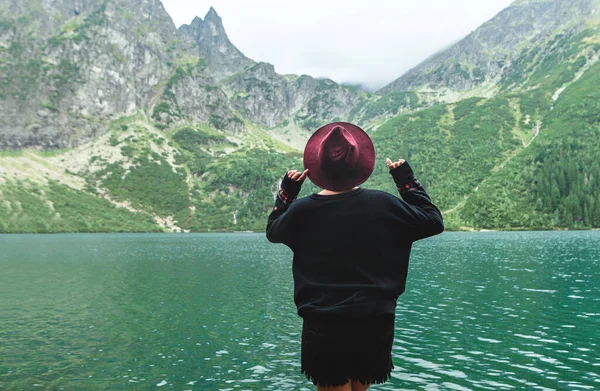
354 177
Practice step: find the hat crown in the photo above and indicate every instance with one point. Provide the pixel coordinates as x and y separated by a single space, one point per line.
339 156
339 148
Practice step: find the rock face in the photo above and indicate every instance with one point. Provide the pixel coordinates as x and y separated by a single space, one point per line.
268 98
487 53
74 68
192 94
69 68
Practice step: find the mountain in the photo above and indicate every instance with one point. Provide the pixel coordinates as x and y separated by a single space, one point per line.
69 69
114 120
490 57
523 155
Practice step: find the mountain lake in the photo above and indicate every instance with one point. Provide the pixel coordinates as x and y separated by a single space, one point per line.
482 311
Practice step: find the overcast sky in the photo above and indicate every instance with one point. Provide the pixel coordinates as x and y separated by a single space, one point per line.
371 42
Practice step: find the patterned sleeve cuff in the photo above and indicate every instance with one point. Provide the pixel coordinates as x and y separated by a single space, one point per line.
409 186
284 197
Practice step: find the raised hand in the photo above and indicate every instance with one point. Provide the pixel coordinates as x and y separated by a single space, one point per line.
391 165
297 176
291 184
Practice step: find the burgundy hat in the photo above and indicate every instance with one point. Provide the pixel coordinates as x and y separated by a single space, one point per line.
339 156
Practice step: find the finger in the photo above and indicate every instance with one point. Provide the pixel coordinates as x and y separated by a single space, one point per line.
388 162
291 173
303 175
296 176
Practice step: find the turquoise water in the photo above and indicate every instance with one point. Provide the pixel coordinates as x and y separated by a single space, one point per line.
482 311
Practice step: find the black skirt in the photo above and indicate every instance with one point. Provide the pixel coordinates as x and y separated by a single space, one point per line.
336 351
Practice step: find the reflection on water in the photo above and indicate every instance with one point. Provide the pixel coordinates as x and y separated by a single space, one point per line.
491 311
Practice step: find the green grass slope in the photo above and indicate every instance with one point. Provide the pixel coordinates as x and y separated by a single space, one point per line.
452 148
555 183
26 206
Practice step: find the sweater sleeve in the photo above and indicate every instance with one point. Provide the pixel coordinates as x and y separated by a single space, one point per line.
425 218
278 227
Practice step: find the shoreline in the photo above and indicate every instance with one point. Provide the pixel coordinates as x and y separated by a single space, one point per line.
262 232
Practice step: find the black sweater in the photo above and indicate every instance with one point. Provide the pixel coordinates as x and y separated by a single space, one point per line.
351 250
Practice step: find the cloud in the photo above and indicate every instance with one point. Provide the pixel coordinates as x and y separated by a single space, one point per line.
370 42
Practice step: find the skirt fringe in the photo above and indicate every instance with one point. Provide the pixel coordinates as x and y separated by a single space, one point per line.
335 353
380 379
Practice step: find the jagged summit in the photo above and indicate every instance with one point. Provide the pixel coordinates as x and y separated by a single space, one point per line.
212 15
222 57
211 18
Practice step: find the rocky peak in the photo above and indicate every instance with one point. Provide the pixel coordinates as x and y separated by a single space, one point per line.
222 57
213 17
